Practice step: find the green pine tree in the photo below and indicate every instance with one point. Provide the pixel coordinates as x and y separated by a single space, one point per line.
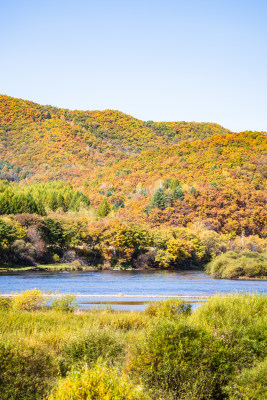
167 183
103 209
60 200
178 193
52 201
175 183
159 199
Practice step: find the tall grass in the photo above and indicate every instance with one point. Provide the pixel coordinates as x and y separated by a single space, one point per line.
171 352
99 382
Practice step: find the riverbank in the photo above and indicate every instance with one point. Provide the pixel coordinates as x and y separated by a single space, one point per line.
63 267
46 267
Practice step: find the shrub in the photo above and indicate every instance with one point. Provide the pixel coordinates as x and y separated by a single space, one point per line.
66 303
26 373
250 384
122 321
97 383
76 264
56 258
234 264
146 260
240 321
30 300
23 253
5 303
183 361
235 311
172 308
90 346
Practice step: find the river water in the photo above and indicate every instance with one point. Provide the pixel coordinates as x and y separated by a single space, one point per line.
127 290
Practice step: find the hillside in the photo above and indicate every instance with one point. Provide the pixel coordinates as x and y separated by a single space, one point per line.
43 141
158 174
222 182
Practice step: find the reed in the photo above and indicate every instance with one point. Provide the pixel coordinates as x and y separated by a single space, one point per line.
172 353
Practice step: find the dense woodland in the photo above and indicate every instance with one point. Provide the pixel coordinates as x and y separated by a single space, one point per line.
101 188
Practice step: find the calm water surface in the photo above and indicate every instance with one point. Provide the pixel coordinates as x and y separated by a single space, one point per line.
126 290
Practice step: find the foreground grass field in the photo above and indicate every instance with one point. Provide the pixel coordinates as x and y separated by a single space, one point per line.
166 352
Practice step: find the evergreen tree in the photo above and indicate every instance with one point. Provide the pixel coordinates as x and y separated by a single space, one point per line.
175 183
60 201
6 202
168 198
103 209
30 205
75 202
167 183
178 193
40 208
85 199
67 199
54 233
52 201
193 190
158 200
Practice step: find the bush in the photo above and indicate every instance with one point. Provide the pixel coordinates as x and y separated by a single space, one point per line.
241 312
234 264
76 264
5 303
89 347
30 300
123 321
66 303
172 308
25 373
250 384
240 321
183 361
97 383
146 260
23 253
56 258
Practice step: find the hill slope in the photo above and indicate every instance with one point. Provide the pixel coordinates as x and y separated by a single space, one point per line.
155 173
51 141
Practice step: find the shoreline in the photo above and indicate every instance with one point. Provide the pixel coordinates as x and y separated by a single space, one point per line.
117 296
70 268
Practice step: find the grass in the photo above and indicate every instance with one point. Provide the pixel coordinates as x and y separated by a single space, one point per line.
166 352
101 382
43 267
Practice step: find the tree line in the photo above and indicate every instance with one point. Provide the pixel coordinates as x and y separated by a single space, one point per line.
36 198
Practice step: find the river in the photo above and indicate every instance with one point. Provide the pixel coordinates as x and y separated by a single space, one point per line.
127 290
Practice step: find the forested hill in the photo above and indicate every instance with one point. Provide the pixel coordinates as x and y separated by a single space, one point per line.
155 173
58 142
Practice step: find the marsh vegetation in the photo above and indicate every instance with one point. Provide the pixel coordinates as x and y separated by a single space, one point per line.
166 352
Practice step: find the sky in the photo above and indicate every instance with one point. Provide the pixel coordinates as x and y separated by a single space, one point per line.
169 60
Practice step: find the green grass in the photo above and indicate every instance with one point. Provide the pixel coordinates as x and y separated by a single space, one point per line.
166 352
43 267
